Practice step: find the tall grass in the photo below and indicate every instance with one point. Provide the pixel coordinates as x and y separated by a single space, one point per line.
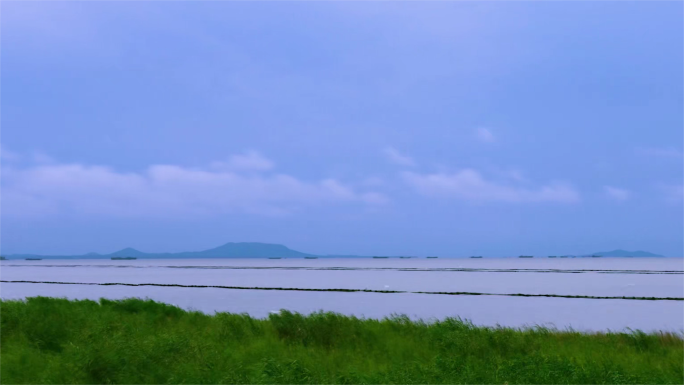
49 340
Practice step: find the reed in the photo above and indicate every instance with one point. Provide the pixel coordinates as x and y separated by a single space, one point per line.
133 341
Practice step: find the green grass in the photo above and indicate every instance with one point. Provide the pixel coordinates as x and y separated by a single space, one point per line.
132 341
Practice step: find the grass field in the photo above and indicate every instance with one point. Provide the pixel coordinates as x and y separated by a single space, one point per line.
48 340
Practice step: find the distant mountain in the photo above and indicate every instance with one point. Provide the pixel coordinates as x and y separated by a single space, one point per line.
127 252
246 250
229 250
624 253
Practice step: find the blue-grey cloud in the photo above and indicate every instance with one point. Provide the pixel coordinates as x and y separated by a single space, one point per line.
249 161
662 152
7 155
470 185
616 193
394 156
169 191
485 135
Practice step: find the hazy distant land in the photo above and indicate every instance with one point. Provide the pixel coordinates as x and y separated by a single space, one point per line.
624 253
229 250
263 250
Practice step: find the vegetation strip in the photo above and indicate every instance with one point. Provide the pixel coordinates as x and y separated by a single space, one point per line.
351 290
445 269
133 341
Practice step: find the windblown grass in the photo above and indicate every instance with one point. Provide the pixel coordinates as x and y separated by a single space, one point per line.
132 341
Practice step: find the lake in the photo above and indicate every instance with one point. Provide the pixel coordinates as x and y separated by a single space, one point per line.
612 277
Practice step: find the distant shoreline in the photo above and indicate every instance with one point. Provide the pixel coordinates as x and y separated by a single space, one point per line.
101 258
255 250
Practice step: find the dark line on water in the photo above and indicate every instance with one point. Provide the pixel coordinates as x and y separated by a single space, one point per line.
350 290
203 286
445 269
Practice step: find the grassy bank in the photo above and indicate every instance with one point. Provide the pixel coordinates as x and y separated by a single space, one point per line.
47 340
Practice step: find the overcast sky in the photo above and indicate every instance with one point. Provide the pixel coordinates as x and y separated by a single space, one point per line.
376 128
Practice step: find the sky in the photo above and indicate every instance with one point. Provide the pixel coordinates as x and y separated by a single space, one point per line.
371 128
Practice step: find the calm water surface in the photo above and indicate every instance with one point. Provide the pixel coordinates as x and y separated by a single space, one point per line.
597 277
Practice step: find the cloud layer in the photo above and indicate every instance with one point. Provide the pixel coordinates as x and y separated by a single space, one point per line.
394 156
470 185
484 135
6 155
168 190
617 194
673 193
670 152
249 161
244 183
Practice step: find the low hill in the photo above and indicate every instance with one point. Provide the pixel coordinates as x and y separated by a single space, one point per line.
127 252
245 250
229 250
624 253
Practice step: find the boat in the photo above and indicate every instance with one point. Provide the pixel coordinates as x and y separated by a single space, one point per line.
430 257
479 256
123 258
380 257
526 256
